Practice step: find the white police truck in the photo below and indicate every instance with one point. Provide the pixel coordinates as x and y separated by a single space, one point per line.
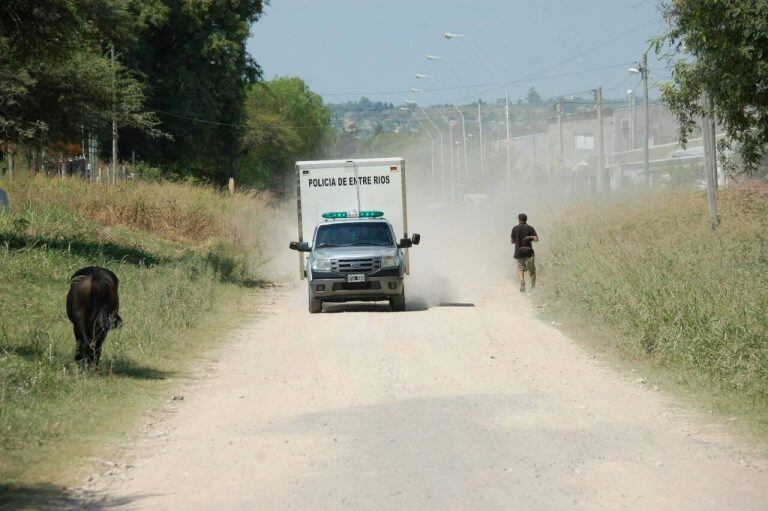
353 230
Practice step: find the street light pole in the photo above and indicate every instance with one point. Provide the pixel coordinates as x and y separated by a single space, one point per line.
449 36
431 146
453 173
442 152
442 171
559 108
479 111
453 167
463 124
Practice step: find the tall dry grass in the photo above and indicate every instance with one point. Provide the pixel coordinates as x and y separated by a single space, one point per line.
671 288
225 226
178 211
182 253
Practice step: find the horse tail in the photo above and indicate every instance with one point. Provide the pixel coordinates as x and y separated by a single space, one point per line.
102 305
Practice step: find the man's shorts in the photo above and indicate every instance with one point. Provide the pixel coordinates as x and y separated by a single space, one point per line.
526 264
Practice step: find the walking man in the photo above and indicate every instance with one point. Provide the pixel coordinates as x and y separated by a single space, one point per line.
523 236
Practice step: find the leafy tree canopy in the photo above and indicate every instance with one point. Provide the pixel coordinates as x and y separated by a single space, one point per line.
193 60
56 77
719 48
286 122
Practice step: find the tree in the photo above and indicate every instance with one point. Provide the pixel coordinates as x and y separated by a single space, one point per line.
286 122
193 59
532 97
56 80
717 50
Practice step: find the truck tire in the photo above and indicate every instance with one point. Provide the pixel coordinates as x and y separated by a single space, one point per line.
315 304
398 302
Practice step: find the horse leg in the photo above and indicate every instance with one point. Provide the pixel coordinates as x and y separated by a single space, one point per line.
81 352
99 342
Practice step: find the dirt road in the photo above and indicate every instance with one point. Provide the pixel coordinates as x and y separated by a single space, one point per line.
476 405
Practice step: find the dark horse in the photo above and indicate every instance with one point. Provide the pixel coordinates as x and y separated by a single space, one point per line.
92 304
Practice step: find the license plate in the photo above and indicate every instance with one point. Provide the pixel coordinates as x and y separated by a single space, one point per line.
356 277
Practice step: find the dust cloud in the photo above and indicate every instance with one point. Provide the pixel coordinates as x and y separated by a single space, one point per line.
465 245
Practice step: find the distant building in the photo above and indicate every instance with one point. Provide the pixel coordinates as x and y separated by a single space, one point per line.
623 145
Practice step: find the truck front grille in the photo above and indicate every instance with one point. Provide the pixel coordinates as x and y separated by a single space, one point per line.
355 286
363 265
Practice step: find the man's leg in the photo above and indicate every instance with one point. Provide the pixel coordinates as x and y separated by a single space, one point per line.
532 270
521 273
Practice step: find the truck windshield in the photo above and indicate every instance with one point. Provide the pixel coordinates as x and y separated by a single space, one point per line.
349 234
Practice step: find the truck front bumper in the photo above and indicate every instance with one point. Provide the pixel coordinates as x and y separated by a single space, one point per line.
373 289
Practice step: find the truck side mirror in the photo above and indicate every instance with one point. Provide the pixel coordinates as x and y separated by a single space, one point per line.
405 243
300 246
416 239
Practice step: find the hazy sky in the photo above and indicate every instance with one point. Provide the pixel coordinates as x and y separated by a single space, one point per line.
348 48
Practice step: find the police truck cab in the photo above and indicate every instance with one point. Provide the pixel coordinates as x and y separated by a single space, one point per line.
353 253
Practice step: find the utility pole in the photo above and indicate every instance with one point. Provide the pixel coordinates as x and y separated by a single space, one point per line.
602 178
114 117
453 167
507 141
713 141
480 129
646 151
710 158
11 161
633 131
93 157
561 147
464 141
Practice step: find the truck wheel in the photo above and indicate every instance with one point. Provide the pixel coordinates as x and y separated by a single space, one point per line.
398 302
315 304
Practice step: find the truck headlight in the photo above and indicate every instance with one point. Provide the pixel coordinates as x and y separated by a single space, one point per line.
321 264
389 261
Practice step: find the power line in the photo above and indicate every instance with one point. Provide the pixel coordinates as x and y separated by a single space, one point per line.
599 46
537 75
639 81
625 80
247 126
492 85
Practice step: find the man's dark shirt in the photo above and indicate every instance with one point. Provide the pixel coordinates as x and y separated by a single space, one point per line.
519 233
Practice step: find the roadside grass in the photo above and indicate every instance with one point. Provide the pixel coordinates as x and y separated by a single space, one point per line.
669 291
186 257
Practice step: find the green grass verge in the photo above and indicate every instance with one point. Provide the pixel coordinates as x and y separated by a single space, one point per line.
666 289
179 292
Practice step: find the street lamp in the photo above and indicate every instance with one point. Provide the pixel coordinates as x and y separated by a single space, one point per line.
431 144
421 76
642 69
442 175
479 107
442 152
449 36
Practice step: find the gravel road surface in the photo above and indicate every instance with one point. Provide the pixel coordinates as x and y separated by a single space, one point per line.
473 404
